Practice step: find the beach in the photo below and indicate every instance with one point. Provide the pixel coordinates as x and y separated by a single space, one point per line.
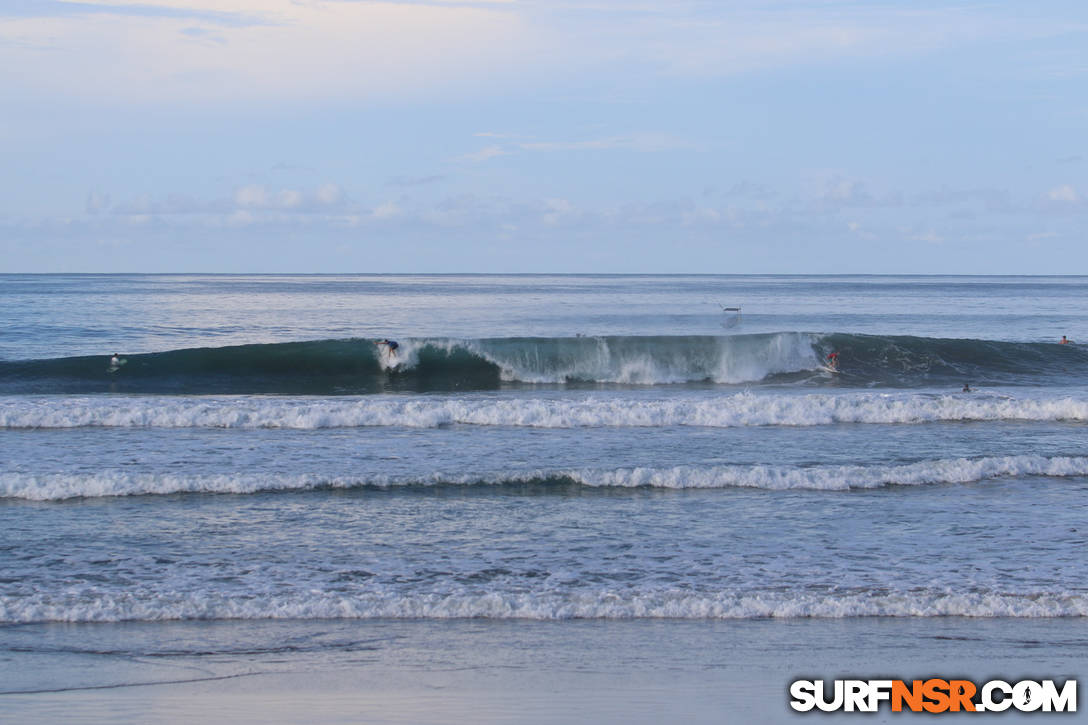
505 672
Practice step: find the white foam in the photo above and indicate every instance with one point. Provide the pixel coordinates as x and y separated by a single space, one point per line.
627 360
837 478
638 361
60 486
102 606
719 411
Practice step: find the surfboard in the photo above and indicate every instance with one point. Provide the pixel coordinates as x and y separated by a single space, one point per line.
387 356
827 369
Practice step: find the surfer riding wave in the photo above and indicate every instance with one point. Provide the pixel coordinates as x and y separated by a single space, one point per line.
391 346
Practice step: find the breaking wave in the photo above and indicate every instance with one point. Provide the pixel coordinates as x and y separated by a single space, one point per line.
61 486
352 366
102 606
711 410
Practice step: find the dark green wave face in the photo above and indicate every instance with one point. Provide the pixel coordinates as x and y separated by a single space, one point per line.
331 367
320 367
906 361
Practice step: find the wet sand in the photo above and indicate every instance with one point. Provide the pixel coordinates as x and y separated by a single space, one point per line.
480 671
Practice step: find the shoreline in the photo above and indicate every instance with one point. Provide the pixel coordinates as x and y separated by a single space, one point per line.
486 671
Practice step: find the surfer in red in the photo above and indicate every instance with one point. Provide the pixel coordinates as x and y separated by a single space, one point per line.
833 361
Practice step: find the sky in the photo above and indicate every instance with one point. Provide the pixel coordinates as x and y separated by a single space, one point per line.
603 136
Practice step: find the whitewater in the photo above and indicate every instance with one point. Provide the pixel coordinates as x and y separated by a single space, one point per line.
709 410
54 487
546 448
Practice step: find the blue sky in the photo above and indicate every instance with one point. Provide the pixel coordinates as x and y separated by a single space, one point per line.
532 136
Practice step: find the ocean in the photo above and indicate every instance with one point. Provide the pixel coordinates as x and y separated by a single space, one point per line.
604 488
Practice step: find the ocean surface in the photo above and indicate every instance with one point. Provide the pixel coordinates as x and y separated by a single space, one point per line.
551 448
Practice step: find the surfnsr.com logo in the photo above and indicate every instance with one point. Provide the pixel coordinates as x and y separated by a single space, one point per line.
933 695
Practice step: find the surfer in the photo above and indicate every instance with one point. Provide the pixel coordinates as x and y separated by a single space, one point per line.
833 361
391 345
116 362
1064 341
967 387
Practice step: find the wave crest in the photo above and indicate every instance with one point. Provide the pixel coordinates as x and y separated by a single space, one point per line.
326 367
97 606
714 411
60 486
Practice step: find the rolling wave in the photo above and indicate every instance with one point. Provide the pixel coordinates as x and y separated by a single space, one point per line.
88 604
61 486
711 411
354 366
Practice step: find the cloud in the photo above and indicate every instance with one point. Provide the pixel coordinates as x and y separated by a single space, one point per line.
161 51
289 199
743 36
835 190
289 167
247 203
845 190
329 194
415 180
1063 193
204 34
156 51
172 205
206 12
253 195
387 210
240 218
327 210
97 202
256 196
437 3
643 142
858 229
484 154
929 237
556 210
995 200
